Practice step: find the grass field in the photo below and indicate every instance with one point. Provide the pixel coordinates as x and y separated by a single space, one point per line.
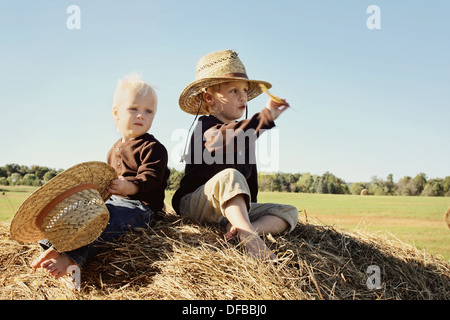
11 198
415 220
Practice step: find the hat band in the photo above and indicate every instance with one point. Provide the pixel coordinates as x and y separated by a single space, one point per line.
59 199
235 75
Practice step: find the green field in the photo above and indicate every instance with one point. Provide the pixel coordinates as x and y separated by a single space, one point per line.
11 198
415 220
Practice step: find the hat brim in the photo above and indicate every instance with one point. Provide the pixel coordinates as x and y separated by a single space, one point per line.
23 225
191 96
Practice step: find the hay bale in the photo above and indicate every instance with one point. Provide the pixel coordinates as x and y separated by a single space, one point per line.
447 217
364 192
178 260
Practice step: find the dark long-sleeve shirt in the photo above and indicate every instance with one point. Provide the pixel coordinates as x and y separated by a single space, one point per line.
215 146
142 161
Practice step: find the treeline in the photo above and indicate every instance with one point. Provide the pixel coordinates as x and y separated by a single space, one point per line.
329 183
420 185
15 175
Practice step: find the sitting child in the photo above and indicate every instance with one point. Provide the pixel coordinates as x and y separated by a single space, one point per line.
220 184
141 165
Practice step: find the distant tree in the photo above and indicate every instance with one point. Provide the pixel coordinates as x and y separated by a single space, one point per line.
39 171
413 187
331 182
305 183
14 179
282 181
3 172
433 188
23 170
49 175
30 179
446 186
389 185
12 168
357 187
402 186
335 185
174 179
276 182
376 186
293 187
264 182
4 181
421 181
320 185
289 182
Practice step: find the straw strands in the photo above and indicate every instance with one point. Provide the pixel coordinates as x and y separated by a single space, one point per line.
178 260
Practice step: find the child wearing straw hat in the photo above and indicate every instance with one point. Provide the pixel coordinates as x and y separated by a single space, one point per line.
140 164
220 183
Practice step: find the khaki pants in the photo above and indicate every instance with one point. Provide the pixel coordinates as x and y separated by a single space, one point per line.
206 205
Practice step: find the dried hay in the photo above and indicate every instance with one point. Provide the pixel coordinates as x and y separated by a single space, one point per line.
364 192
178 260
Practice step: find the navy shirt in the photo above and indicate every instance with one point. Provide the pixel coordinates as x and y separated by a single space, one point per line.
215 146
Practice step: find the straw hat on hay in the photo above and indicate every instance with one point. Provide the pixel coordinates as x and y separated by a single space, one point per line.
69 210
212 69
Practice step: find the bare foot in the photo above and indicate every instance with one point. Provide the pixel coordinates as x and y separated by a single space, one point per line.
47 254
55 263
231 232
255 246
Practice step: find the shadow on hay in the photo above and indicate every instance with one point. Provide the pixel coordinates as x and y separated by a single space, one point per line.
135 257
340 259
321 260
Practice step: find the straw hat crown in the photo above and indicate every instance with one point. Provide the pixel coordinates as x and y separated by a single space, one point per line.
215 68
218 64
69 210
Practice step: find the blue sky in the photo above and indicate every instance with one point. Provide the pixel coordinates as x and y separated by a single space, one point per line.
368 102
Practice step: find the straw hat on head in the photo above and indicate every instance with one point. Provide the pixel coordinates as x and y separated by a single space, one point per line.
215 68
69 210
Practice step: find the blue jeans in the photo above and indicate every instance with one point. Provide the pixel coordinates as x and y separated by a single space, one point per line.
124 214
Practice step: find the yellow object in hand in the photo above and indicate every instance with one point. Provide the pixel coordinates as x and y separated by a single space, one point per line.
274 98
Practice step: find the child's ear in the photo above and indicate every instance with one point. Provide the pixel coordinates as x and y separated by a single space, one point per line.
208 98
115 113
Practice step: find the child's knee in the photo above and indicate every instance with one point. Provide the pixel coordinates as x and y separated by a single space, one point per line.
229 180
232 175
226 185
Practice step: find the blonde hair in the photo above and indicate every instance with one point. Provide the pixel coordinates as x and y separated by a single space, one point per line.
132 83
212 89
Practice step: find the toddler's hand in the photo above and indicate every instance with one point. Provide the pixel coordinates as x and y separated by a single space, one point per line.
122 187
276 108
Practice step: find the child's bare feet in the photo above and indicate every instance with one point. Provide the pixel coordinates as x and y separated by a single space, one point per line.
231 232
240 225
47 254
255 246
54 262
